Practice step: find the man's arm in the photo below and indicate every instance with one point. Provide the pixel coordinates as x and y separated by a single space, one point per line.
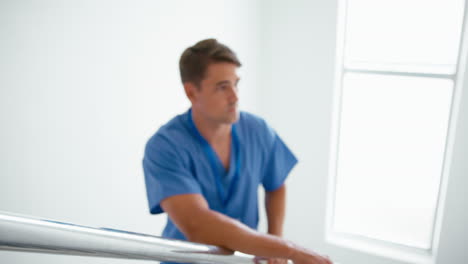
275 205
191 214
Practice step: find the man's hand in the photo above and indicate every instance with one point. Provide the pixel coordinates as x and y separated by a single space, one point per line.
310 259
262 260
306 256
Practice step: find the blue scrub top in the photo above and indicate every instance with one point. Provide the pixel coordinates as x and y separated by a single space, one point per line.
176 162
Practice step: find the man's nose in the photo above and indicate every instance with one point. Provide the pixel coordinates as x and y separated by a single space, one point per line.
233 96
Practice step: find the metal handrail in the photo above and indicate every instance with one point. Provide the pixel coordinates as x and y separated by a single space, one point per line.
29 234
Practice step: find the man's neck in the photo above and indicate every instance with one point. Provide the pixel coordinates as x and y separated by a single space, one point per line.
214 133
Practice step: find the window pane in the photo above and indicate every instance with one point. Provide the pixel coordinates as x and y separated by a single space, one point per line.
391 147
402 35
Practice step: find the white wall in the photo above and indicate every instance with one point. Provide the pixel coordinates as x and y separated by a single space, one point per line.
83 85
299 49
453 239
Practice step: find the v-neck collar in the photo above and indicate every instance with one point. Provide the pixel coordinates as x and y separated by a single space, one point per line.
225 180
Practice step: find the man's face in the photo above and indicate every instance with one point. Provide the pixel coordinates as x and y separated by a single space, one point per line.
216 98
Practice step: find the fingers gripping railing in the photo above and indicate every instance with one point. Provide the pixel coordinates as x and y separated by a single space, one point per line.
19 233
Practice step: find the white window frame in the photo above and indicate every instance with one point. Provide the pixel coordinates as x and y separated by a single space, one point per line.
375 246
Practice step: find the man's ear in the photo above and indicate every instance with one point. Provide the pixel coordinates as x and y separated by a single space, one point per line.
190 91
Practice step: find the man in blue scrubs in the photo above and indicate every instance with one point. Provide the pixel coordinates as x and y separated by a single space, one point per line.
203 168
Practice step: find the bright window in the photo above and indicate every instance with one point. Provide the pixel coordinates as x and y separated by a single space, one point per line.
392 139
403 35
398 62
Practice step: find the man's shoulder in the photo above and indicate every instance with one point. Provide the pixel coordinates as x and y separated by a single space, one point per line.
251 120
256 126
172 132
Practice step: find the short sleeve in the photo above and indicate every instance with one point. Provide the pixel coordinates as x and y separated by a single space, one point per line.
166 173
279 162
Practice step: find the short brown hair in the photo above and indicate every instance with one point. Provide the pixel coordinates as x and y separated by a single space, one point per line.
195 60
